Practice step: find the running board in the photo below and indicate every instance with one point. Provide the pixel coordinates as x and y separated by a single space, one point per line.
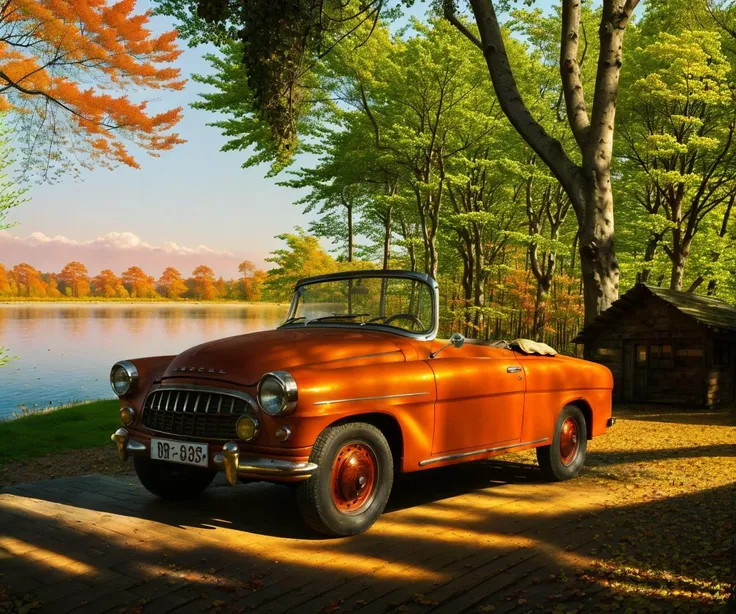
438 459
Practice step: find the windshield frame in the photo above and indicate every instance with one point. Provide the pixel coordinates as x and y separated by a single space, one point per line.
429 335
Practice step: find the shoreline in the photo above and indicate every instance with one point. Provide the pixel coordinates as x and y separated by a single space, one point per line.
139 303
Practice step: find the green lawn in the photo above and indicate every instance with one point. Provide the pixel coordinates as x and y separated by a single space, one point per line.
71 428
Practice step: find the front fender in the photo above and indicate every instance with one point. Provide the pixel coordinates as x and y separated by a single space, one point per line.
404 391
150 370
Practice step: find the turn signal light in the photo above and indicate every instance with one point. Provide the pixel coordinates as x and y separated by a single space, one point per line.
126 415
247 428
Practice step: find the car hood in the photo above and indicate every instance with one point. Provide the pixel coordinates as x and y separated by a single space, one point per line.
245 358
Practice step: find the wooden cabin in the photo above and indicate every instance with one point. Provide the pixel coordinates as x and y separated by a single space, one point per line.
665 346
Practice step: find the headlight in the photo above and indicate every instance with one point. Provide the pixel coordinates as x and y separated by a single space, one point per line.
277 393
123 377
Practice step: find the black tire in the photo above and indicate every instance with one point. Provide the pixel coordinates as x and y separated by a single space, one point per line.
172 481
551 458
315 497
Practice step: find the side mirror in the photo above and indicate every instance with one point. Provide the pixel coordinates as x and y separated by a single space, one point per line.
457 340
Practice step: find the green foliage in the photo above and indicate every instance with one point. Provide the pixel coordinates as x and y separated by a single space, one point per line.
302 257
677 154
417 167
10 194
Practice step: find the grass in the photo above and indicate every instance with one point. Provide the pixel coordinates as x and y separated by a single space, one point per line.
71 428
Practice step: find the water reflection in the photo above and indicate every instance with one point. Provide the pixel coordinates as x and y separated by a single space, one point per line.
66 350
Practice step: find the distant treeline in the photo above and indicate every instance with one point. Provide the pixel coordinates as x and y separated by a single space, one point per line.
301 257
74 282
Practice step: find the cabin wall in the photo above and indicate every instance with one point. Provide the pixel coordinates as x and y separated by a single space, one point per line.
657 354
721 371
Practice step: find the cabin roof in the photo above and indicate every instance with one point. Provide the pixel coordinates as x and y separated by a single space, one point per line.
709 311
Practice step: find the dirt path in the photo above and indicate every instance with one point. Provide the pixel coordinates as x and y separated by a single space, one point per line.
102 460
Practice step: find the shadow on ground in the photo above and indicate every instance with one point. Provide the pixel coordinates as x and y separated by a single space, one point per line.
463 539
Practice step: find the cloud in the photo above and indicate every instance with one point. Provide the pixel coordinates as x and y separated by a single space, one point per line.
118 251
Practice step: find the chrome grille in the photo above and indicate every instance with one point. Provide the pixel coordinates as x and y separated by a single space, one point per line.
205 413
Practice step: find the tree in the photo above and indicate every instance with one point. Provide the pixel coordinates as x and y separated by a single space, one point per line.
678 140
171 284
202 283
252 281
28 281
138 284
109 285
52 285
5 289
66 71
75 278
297 36
303 257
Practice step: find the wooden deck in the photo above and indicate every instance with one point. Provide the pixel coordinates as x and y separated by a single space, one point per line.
480 538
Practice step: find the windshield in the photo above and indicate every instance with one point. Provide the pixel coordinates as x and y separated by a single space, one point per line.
390 302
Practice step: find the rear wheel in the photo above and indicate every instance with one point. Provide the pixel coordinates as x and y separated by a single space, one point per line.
351 486
172 481
565 457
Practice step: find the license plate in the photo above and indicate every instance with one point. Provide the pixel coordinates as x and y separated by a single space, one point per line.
179 452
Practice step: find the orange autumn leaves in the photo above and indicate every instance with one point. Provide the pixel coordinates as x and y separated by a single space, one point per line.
23 281
68 67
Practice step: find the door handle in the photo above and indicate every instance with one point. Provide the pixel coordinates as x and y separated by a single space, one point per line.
514 369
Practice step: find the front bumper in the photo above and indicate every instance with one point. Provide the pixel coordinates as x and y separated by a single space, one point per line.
229 460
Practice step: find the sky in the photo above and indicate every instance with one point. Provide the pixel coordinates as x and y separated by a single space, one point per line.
193 205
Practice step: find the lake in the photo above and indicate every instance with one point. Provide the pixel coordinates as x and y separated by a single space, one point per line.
66 350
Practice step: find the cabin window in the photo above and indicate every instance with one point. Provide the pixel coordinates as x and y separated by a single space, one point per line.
721 354
690 353
689 356
660 356
606 353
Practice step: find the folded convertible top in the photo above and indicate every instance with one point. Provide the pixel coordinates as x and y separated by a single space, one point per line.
527 346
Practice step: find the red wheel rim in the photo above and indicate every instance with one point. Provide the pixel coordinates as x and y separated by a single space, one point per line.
569 441
354 477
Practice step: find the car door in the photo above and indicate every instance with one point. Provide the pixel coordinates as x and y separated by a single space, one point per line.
480 398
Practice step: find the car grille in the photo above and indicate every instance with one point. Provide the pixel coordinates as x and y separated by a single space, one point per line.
193 413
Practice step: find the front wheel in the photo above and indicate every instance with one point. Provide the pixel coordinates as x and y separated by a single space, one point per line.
172 481
565 458
351 486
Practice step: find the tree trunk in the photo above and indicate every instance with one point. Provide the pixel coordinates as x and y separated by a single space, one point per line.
350 232
478 298
588 186
540 309
387 239
678 269
679 255
649 254
600 271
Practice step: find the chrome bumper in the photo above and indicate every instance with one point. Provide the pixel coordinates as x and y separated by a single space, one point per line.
229 461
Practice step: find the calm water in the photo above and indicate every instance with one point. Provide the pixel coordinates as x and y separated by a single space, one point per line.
66 351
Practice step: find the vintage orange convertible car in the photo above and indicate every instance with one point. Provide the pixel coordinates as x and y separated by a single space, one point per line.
350 390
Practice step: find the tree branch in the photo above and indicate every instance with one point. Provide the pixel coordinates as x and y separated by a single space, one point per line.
572 84
546 147
451 16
